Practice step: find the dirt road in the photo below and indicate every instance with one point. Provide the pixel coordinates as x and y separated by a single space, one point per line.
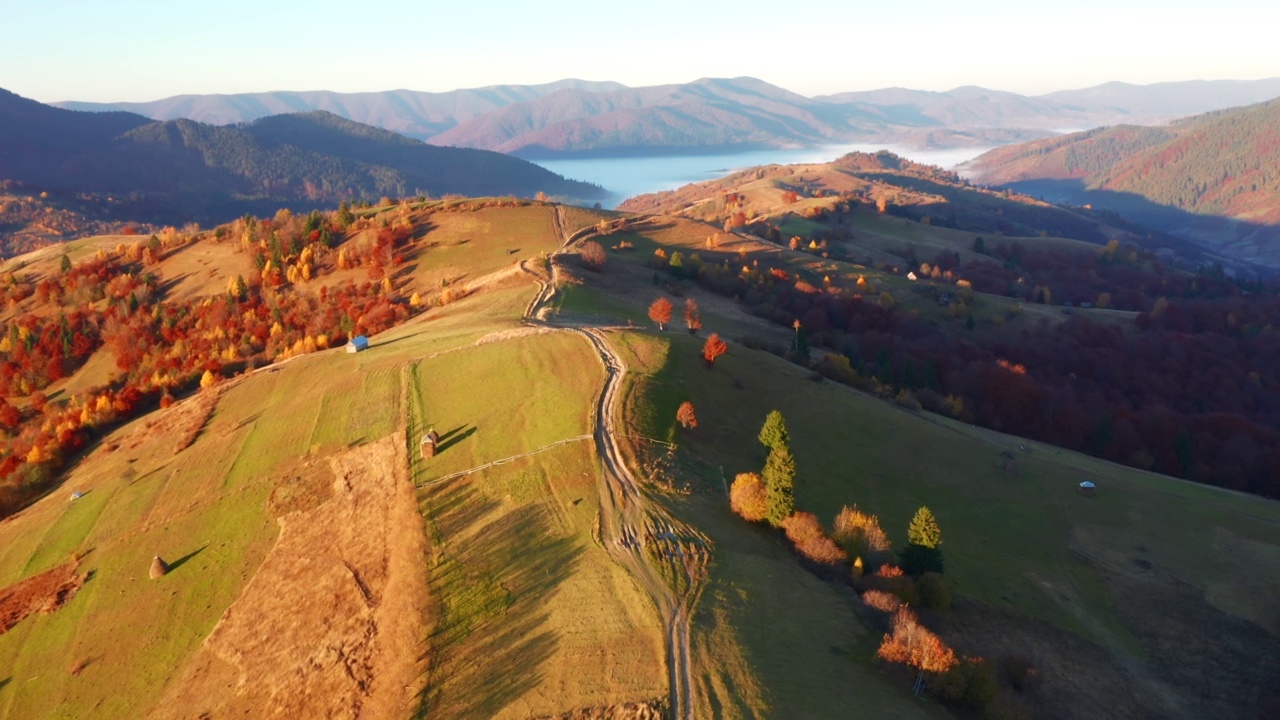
627 521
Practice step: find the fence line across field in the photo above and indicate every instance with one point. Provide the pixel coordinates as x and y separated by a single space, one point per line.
503 461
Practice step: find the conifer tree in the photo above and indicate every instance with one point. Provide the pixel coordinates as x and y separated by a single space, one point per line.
774 431
779 479
923 552
924 529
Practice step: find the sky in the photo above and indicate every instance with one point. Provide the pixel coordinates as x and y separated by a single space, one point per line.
137 50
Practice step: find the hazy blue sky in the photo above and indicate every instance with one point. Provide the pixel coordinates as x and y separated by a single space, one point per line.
148 49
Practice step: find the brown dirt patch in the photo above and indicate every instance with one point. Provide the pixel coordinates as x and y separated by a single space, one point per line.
333 622
41 593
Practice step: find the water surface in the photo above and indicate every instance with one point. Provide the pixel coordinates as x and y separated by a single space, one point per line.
629 176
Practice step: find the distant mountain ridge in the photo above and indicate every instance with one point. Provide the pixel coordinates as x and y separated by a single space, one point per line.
416 114
1215 177
181 170
578 117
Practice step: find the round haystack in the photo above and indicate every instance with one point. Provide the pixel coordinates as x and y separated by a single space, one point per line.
1088 489
159 568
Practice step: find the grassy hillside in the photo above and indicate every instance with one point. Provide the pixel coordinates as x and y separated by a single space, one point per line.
1028 546
320 566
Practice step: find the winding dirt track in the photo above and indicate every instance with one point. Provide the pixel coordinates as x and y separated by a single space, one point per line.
625 518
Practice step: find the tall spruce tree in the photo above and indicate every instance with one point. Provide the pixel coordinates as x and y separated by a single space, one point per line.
923 552
779 479
774 432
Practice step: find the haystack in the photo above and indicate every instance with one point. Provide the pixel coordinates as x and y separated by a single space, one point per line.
159 568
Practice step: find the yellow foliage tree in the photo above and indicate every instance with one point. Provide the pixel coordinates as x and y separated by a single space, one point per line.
748 497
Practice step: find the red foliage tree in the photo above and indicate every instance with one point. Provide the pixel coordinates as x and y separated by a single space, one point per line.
660 312
713 348
686 417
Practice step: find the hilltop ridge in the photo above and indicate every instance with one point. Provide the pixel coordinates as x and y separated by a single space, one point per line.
180 170
1212 178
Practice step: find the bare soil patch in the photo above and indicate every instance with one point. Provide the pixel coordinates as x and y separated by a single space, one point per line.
41 593
332 623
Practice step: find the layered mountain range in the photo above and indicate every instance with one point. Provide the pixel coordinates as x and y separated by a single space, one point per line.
177 170
603 118
1213 177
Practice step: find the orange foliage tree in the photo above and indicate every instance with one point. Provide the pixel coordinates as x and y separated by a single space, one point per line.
914 645
806 533
882 600
686 417
748 497
660 312
713 348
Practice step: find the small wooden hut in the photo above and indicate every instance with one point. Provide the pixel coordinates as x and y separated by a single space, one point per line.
429 443
1088 489
358 343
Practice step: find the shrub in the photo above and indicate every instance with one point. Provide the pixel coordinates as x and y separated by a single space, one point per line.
970 684
1006 706
1018 672
935 594
859 534
891 579
907 400
806 534
748 497
593 255
881 600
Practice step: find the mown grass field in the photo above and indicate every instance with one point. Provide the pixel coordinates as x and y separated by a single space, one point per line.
204 507
465 245
533 617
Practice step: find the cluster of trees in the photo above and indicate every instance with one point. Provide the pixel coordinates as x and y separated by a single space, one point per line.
892 586
164 346
660 313
1191 389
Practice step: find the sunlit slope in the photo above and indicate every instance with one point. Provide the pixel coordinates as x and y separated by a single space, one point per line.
1025 544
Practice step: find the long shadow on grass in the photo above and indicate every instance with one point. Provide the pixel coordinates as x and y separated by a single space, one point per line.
183 560
5 681
496 573
454 437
